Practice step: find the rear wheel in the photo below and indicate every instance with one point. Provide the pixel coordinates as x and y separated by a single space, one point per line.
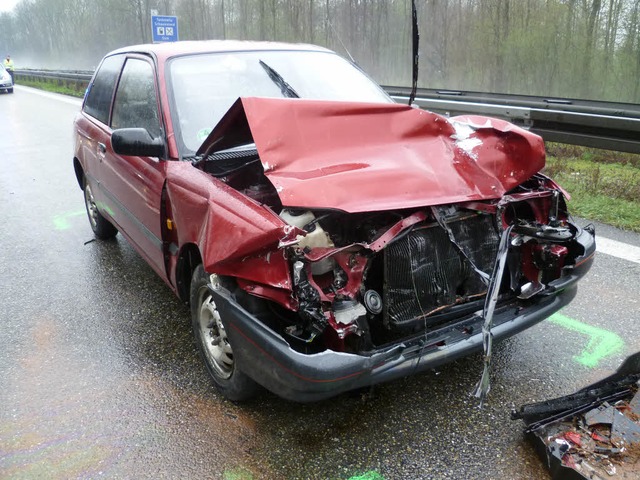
102 228
213 343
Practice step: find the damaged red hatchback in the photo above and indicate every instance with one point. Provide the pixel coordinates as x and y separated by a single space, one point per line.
326 237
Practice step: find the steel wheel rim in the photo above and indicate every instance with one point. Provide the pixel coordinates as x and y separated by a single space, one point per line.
213 337
92 208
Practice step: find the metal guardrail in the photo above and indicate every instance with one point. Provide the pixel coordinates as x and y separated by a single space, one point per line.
590 123
75 80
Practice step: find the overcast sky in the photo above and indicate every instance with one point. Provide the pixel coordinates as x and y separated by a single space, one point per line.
6 5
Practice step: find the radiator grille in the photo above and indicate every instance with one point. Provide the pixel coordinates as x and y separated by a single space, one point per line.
424 272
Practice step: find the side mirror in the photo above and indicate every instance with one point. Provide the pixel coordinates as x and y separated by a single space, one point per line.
137 142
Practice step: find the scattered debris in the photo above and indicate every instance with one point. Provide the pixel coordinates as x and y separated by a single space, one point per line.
592 434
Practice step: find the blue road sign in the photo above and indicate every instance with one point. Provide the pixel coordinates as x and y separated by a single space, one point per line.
164 28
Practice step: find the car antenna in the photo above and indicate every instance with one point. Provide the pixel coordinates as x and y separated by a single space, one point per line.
340 40
416 54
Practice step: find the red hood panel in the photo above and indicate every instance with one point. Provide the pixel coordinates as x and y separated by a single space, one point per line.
365 157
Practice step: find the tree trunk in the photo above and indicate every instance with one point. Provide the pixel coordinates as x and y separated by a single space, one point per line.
222 18
594 12
310 34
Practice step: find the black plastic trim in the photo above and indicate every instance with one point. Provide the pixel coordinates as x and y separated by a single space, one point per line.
269 360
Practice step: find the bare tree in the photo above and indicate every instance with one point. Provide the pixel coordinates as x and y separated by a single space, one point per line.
589 48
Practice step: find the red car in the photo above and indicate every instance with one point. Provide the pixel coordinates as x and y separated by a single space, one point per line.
326 237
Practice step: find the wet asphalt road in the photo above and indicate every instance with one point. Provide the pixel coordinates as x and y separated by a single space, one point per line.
99 376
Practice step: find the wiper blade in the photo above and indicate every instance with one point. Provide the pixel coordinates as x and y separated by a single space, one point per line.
286 89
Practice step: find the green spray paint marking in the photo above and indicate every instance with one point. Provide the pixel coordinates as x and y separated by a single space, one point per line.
237 474
368 476
61 221
602 343
243 474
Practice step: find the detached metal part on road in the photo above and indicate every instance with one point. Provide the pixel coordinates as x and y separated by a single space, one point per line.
593 433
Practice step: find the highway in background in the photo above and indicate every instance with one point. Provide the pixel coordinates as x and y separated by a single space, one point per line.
99 376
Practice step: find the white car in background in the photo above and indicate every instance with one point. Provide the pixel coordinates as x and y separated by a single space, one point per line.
6 83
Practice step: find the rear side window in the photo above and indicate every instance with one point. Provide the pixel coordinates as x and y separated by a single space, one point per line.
101 90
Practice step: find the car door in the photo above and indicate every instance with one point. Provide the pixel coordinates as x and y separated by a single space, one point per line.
132 184
92 128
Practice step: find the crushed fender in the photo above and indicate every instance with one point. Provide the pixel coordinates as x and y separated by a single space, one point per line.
593 433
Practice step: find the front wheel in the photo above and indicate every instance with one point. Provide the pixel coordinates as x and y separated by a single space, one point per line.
213 343
102 228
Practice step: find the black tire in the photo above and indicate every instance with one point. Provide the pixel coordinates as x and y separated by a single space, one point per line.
102 228
10 90
213 344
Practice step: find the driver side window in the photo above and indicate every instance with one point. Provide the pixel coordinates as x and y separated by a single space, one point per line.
136 103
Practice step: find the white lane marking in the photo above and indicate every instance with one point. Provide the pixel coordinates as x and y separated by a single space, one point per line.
55 96
618 249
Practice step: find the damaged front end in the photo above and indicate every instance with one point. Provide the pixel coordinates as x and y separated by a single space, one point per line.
350 296
364 281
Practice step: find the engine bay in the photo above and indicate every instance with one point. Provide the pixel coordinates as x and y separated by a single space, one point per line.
362 280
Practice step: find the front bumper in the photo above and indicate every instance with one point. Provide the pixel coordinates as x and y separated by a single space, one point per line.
267 358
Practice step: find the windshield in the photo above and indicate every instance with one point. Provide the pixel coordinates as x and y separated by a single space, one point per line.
205 86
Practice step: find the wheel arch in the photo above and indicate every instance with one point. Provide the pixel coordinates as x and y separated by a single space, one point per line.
77 167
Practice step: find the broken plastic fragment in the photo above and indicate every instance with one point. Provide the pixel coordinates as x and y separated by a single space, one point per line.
297 269
573 437
530 289
348 312
600 415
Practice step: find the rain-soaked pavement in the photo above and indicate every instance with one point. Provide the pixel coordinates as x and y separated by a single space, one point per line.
99 376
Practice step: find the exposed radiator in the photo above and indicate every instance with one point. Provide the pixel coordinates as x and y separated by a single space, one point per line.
424 272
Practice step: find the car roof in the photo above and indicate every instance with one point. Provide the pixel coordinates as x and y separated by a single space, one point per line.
163 51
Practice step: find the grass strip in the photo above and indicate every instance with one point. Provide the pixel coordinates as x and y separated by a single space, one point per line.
603 186
51 87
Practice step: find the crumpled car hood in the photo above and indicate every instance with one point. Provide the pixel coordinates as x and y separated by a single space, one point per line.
360 157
